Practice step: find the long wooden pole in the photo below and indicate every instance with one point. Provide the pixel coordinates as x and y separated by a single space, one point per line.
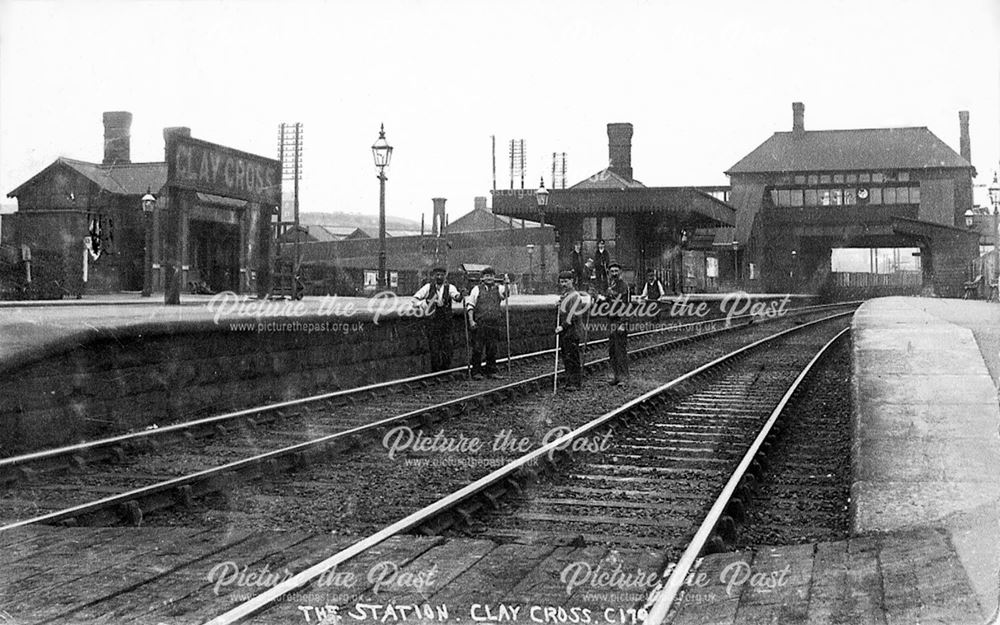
555 370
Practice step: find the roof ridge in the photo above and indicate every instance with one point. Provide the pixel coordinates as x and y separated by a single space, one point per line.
789 132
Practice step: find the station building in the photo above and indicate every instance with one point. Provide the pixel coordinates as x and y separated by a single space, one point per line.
643 227
801 194
82 223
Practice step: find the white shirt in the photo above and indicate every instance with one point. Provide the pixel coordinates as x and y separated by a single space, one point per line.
424 294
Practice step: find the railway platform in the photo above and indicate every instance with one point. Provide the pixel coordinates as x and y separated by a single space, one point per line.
924 545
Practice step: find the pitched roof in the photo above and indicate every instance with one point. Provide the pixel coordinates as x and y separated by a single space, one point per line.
834 150
607 179
481 219
121 179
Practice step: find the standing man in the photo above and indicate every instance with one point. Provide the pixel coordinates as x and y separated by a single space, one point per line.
436 298
618 297
485 321
569 331
602 263
653 289
576 260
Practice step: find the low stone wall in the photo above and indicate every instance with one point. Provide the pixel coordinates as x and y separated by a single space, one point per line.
162 373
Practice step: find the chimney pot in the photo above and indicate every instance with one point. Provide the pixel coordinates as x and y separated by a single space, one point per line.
620 149
798 118
964 143
117 137
438 222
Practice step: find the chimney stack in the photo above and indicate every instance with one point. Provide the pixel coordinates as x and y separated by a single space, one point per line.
798 119
965 146
437 221
620 149
480 203
117 137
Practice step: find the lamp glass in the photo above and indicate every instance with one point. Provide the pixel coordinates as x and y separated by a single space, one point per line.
995 192
148 202
542 195
381 150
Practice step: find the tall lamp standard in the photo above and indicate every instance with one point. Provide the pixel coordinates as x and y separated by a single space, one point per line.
542 199
148 206
382 152
995 201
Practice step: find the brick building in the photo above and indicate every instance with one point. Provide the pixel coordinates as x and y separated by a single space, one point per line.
642 227
803 193
87 219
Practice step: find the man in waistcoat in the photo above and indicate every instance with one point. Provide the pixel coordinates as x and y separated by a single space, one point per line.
570 331
652 291
485 320
436 298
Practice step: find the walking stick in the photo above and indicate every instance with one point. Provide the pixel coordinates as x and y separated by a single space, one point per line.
507 308
555 371
468 348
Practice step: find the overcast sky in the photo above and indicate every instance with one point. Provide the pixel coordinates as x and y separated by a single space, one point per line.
703 83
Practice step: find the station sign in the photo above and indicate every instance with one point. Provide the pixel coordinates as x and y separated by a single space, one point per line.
210 168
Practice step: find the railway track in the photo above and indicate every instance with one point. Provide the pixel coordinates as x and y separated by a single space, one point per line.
126 477
677 472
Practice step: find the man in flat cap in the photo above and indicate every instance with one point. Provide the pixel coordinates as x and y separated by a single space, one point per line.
570 330
436 298
485 320
617 295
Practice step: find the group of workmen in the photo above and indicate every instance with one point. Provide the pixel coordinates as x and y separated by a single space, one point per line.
486 314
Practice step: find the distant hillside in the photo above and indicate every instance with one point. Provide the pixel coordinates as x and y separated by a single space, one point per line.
357 220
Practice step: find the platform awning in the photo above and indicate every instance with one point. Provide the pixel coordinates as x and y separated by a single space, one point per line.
690 206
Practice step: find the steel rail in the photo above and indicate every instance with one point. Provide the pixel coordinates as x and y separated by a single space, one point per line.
427 513
666 597
132 437
147 492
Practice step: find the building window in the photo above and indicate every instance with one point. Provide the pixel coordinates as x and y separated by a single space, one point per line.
875 195
596 229
902 195
852 178
914 195
796 197
864 178
813 180
838 178
784 197
878 178
824 197
811 198
889 195
824 179
800 179
904 176
371 280
850 197
837 197
394 279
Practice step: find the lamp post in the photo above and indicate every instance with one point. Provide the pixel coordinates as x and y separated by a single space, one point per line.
531 267
382 153
995 201
736 261
795 265
542 199
148 206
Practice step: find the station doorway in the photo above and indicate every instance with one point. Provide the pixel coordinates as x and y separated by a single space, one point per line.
215 255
